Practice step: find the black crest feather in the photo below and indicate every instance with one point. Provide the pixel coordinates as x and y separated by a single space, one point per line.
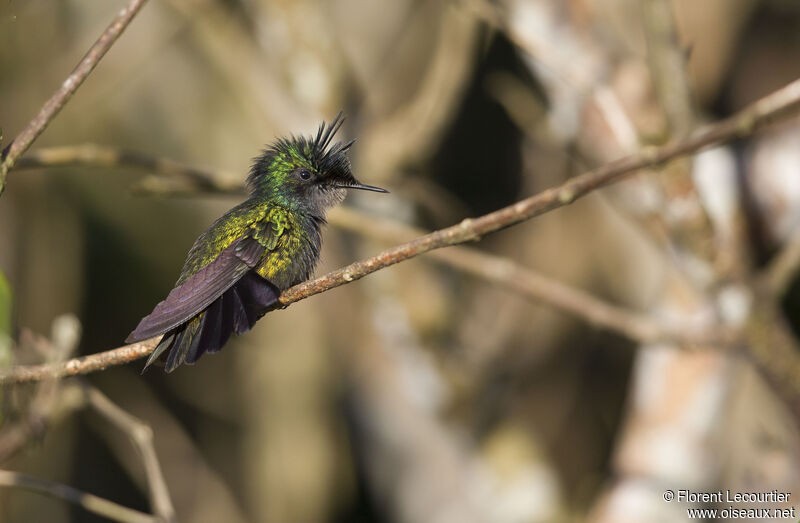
325 157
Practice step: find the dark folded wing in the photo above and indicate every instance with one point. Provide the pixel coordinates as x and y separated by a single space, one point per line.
201 289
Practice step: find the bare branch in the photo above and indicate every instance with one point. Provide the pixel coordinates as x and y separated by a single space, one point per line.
82 365
56 102
88 502
743 123
747 121
142 437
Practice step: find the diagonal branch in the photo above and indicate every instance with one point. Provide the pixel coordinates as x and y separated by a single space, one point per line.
747 121
186 180
56 102
142 437
88 502
757 115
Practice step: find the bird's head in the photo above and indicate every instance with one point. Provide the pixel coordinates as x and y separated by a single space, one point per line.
306 173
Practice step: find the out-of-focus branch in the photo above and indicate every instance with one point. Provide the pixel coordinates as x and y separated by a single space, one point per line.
575 75
783 268
52 400
234 56
93 155
88 502
56 102
668 65
70 397
747 121
528 283
13 438
771 345
181 176
142 437
415 129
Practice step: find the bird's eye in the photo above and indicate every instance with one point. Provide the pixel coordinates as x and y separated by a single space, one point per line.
304 175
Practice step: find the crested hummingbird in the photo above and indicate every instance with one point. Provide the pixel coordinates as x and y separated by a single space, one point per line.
236 270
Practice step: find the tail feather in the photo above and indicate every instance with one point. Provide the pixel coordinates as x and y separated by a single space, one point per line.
256 297
227 321
164 344
237 310
211 335
186 342
241 323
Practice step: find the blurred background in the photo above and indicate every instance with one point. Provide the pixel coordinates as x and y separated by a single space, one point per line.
418 394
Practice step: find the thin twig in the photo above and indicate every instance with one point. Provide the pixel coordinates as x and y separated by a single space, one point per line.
747 121
82 365
56 102
142 437
88 502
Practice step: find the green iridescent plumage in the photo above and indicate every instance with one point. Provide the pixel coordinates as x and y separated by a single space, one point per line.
291 241
236 270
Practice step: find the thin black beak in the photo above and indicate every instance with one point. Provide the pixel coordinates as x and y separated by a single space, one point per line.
362 187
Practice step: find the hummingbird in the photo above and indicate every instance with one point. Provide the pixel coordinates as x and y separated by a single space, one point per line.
236 270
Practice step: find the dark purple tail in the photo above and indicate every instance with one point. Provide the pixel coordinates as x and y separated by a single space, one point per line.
237 310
